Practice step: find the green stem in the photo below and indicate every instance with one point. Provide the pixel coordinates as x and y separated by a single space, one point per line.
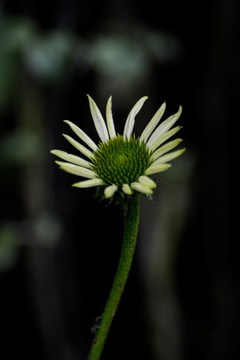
131 221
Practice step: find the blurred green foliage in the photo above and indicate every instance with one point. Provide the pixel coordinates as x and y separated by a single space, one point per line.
20 147
9 248
15 36
50 56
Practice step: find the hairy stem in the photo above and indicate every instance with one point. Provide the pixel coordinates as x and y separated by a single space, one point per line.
131 221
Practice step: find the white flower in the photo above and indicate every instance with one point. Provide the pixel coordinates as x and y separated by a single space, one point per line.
122 163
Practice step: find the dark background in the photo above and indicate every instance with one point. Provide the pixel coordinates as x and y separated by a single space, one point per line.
59 246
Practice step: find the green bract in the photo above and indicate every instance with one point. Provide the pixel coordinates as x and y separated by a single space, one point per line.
122 163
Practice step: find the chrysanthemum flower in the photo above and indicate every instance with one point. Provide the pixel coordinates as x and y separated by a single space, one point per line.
122 163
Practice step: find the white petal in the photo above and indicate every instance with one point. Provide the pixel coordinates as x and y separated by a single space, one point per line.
128 128
153 123
168 157
166 136
126 188
145 180
110 190
98 120
162 129
71 158
141 188
79 147
89 183
76 170
109 117
165 148
154 169
81 134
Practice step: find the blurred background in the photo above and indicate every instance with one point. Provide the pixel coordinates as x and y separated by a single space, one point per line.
59 246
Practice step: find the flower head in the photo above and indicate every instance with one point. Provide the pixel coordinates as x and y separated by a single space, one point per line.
122 163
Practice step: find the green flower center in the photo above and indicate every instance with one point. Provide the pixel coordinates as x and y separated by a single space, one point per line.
121 161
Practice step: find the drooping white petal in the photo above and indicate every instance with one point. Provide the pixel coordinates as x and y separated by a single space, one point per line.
141 188
98 120
128 128
154 169
126 189
81 134
168 157
109 117
165 148
79 146
76 170
145 180
162 129
89 183
71 158
110 190
153 123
